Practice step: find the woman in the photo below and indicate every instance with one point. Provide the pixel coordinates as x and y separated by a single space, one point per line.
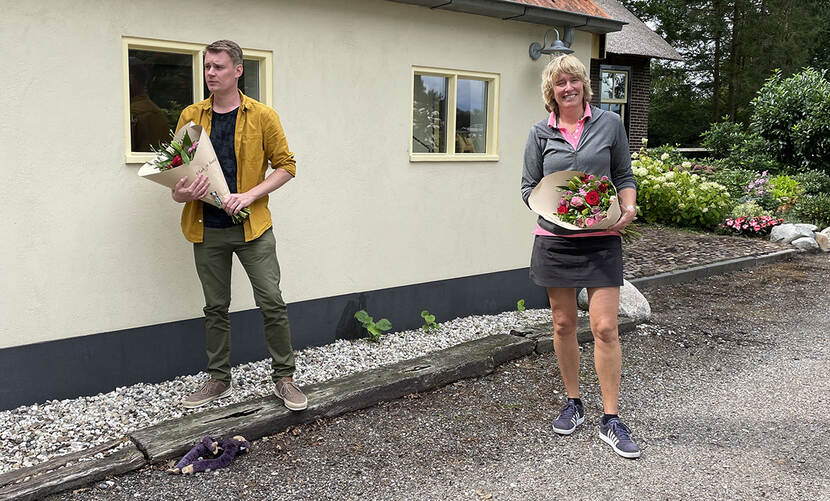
577 136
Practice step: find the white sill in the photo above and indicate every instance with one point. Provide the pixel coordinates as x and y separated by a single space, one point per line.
138 158
458 157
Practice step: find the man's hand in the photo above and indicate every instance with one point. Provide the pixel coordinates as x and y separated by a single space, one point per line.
628 215
195 191
235 202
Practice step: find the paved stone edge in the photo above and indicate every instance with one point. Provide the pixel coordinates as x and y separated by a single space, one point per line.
725 266
265 416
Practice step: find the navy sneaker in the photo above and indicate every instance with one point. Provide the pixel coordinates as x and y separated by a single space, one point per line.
618 436
571 416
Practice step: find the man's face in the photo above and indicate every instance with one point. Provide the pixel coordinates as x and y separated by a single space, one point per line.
220 73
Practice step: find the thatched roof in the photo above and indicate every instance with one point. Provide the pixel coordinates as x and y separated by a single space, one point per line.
635 38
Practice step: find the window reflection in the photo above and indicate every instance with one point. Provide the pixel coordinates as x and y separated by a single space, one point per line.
429 115
161 85
471 116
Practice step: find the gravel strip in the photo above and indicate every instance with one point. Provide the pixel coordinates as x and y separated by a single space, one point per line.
36 433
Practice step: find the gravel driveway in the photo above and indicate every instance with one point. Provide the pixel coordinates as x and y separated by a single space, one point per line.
726 391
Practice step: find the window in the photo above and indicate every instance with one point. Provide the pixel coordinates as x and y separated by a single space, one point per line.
613 94
454 115
161 78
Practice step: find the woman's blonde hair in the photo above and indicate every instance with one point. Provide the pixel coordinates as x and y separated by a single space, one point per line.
564 64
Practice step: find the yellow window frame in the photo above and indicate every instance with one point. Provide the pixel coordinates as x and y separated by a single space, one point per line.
491 148
624 100
265 58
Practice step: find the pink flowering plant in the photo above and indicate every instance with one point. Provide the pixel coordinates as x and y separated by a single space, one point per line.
586 200
754 226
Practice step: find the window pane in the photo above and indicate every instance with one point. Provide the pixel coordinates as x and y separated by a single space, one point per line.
607 91
429 117
471 116
161 85
616 108
248 83
614 85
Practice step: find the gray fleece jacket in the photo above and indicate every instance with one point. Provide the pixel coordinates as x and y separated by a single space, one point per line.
602 151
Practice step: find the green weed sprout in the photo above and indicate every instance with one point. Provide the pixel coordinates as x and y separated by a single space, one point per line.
375 329
520 305
429 321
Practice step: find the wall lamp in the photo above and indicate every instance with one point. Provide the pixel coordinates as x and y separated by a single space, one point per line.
556 46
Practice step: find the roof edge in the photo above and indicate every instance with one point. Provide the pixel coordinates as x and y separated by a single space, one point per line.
510 10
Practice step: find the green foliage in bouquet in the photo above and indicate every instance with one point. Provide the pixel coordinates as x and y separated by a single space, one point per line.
813 182
429 321
175 153
674 195
375 329
813 209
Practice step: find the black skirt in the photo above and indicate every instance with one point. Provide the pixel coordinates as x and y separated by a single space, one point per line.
577 261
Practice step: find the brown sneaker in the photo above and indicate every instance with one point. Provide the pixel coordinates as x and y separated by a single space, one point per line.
210 391
291 394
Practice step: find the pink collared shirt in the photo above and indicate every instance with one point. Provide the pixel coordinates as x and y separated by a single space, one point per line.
573 140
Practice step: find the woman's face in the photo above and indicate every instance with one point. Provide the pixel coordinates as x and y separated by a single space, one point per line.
568 91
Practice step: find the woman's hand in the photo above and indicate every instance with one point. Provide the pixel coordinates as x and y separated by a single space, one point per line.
629 212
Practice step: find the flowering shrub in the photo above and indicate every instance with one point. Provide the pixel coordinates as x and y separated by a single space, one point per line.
673 194
748 209
751 226
760 190
813 209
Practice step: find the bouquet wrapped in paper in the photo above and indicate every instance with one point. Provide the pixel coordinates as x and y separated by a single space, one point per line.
190 153
576 201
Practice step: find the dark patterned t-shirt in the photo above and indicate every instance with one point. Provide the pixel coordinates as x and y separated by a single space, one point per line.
222 132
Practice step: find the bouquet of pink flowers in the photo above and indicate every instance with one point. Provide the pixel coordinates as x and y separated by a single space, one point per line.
189 154
586 200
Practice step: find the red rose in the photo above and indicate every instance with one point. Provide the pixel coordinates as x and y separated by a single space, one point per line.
592 198
177 160
563 209
602 187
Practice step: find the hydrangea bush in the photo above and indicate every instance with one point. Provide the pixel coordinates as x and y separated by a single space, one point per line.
675 195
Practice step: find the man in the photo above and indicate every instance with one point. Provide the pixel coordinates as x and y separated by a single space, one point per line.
246 135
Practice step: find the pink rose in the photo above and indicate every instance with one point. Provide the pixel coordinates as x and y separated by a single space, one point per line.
590 222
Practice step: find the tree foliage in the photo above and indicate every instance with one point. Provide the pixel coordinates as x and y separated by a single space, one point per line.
729 49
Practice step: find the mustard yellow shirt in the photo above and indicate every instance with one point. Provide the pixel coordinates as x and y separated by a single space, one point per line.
259 138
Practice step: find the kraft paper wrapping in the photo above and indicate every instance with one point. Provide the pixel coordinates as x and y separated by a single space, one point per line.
544 200
204 162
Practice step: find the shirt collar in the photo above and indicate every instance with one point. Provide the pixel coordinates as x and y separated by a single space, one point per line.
245 102
554 123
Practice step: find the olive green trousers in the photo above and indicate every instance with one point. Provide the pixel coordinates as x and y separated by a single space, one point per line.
259 258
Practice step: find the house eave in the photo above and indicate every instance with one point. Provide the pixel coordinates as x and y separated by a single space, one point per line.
515 11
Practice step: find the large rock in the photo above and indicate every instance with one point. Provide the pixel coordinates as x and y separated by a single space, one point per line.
632 302
806 243
826 231
810 227
823 241
788 232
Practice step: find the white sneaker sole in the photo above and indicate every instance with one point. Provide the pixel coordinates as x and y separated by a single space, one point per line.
200 403
571 430
627 455
292 406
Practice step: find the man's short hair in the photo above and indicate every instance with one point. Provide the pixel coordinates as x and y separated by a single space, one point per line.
232 48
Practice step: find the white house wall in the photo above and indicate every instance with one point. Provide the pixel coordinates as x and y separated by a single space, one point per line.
88 247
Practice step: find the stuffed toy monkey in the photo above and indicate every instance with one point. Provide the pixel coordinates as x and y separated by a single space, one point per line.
210 454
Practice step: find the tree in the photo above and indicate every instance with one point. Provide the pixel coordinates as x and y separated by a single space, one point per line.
730 47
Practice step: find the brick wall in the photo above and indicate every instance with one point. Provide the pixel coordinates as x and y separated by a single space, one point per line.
640 80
